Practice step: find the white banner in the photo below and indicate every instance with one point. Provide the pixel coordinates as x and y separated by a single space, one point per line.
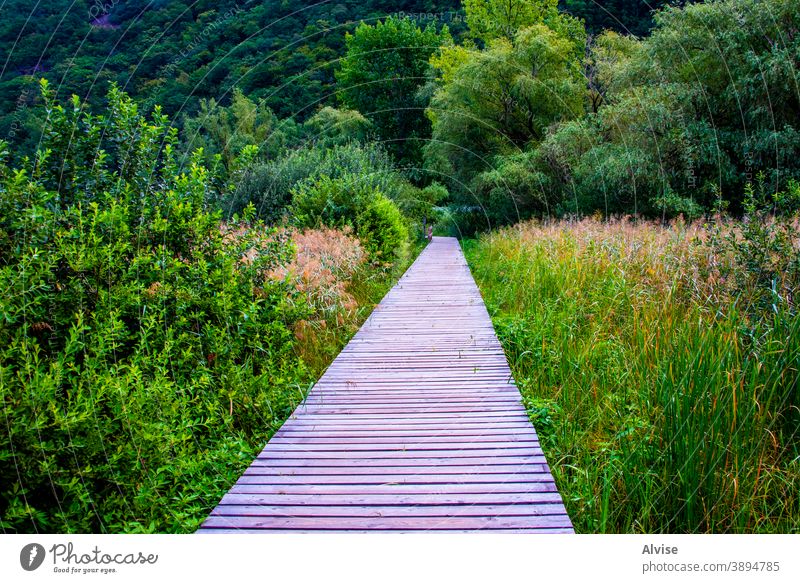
393 557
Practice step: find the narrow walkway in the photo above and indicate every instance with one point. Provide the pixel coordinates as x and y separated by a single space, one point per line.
416 426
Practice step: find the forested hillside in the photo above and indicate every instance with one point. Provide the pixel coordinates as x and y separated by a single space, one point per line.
173 53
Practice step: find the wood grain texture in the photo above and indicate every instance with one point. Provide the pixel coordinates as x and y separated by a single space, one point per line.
417 426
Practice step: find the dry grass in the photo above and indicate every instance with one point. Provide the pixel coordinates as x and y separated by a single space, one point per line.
325 262
330 268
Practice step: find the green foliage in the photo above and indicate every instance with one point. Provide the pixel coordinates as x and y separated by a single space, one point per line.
544 121
732 57
671 205
335 127
608 55
268 185
382 230
492 19
505 97
226 131
627 16
418 203
380 75
333 202
700 105
513 190
636 154
498 102
145 354
348 201
765 267
178 52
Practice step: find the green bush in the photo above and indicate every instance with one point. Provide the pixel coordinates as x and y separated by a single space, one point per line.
349 201
381 228
337 127
263 186
418 205
145 356
334 202
672 205
764 273
267 185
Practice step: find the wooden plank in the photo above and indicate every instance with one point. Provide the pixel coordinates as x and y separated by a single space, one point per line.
464 470
343 438
256 478
377 531
417 426
401 409
434 415
324 432
447 498
474 463
388 429
392 522
395 489
440 454
399 511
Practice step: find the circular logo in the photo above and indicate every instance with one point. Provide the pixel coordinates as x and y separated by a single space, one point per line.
31 556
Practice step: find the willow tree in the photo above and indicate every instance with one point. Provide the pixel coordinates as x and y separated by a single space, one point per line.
503 99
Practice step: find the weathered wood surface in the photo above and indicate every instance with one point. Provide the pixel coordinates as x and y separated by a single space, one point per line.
416 426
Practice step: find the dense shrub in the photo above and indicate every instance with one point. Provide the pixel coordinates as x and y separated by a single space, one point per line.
761 266
336 127
145 355
420 205
348 201
225 131
513 191
640 154
329 201
268 185
382 229
654 127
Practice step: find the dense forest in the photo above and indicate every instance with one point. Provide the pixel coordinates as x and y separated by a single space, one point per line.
630 114
173 53
201 201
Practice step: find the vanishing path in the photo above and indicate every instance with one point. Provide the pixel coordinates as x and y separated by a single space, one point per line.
417 425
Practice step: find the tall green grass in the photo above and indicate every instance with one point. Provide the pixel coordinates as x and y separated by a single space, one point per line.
663 401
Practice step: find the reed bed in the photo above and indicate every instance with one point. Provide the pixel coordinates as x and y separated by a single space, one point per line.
659 365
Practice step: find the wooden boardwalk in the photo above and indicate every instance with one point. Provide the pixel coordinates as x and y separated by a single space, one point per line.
416 426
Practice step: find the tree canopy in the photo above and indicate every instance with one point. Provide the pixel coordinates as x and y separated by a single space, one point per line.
380 75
